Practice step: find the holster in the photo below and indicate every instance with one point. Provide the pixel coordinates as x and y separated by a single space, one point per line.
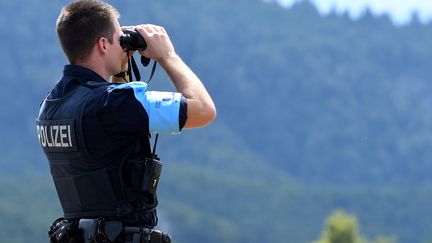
63 230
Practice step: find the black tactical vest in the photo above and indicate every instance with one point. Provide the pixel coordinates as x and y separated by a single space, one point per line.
85 187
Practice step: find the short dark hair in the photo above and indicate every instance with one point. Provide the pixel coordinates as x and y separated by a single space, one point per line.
81 24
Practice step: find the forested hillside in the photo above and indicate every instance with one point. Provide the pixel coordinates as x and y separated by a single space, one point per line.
315 113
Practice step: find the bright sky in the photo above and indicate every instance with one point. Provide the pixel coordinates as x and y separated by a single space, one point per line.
399 10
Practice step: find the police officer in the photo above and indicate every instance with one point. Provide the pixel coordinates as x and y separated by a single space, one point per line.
95 130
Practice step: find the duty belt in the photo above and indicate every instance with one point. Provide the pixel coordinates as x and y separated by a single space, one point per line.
100 230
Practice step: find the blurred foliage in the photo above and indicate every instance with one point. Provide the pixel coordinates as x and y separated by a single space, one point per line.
340 227
314 113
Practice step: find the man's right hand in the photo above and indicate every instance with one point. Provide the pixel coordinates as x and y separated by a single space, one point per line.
159 45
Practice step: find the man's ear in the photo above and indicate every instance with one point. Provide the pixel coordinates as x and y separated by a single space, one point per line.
102 45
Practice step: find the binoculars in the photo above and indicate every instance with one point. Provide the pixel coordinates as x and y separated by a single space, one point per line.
132 40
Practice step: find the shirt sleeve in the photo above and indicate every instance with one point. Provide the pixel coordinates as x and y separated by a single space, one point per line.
165 110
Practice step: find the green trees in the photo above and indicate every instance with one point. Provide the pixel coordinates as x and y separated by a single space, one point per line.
341 227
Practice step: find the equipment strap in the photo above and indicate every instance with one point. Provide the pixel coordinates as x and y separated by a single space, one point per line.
133 68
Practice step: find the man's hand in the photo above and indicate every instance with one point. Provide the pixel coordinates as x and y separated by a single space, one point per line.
159 45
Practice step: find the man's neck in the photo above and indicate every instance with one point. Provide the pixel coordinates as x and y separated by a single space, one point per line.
95 67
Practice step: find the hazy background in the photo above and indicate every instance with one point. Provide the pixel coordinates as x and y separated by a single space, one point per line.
319 109
400 11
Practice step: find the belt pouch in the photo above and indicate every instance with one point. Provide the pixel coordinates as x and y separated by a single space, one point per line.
89 228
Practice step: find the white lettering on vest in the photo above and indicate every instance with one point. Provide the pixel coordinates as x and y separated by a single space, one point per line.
49 129
41 135
55 136
69 136
55 131
63 134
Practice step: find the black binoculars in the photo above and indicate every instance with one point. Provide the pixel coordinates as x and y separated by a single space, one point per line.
132 40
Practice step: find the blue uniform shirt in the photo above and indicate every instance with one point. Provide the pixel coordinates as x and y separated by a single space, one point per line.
117 115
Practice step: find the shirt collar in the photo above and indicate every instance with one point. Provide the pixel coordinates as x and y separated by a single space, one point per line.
81 73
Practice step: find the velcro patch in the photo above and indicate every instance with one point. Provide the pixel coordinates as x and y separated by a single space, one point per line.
57 135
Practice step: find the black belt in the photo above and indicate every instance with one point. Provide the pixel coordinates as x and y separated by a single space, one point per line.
103 231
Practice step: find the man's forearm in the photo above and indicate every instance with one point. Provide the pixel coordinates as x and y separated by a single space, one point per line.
201 109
